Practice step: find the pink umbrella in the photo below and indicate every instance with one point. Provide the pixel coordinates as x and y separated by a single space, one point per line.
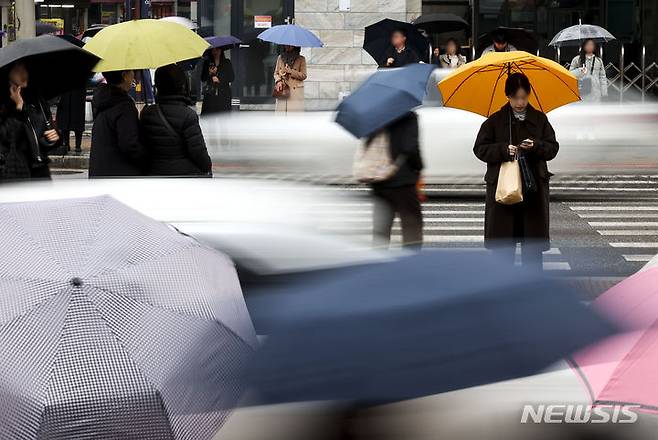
622 370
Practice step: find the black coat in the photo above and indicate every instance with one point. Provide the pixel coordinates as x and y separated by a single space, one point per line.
71 110
115 146
181 153
507 224
403 135
217 96
400 59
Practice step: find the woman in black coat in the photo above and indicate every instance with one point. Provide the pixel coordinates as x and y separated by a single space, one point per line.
218 75
517 128
71 117
170 129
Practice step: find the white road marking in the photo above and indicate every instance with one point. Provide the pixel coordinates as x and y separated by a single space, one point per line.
629 232
643 245
631 224
617 215
426 220
614 208
638 258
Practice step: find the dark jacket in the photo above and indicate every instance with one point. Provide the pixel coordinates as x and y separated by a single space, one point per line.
115 146
71 110
401 59
217 96
507 224
404 141
174 154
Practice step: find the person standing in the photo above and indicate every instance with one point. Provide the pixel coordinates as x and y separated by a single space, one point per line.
500 43
71 118
452 59
398 195
115 147
217 74
170 129
289 77
517 129
399 55
436 57
590 71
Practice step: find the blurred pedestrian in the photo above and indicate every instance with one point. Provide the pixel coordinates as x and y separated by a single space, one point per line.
517 129
399 55
436 54
452 59
217 74
398 194
289 77
71 118
115 146
500 43
590 71
26 127
170 129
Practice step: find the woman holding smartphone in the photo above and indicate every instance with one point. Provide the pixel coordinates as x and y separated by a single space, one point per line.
218 75
514 130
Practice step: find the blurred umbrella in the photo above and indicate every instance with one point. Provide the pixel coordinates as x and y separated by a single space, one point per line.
72 39
144 44
425 324
439 23
55 65
378 38
183 21
291 35
575 35
92 31
479 86
117 328
225 42
45 28
521 38
384 97
622 369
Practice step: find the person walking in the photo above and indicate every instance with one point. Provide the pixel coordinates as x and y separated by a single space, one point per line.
71 118
452 59
289 77
399 55
170 129
217 74
398 195
27 124
517 129
115 147
500 43
590 71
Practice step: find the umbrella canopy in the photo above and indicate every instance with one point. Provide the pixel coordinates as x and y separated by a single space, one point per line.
55 66
183 21
378 39
144 44
45 28
521 38
291 35
479 86
439 23
384 97
92 31
622 369
424 324
225 42
72 39
119 327
575 35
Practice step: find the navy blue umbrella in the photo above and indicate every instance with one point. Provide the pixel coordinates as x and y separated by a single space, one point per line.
425 324
224 41
291 35
384 97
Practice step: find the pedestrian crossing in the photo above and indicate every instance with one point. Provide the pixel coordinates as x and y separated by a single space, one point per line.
447 224
628 227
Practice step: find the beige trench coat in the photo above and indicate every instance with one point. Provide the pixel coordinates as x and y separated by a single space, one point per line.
295 80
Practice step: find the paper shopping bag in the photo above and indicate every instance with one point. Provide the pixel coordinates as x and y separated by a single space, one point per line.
510 189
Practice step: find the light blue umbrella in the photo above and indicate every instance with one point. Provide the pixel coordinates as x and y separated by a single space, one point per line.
291 35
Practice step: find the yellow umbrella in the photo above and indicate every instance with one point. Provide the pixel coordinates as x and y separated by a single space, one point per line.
479 86
144 44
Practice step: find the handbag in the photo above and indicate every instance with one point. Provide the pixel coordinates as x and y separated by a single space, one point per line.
284 93
585 82
528 179
373 161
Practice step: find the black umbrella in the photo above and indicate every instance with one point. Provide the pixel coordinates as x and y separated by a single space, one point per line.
45 28
378 38
425 324
521 38
93 30
439 23
55 65
72 39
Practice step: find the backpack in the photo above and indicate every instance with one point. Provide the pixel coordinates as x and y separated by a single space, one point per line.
373 161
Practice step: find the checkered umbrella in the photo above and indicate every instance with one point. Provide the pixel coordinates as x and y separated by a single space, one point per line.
114 326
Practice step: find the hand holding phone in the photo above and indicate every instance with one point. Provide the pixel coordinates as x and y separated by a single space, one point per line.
527 144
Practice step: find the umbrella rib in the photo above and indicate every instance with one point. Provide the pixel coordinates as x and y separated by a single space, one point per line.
462 83
35 306
493 92
563 81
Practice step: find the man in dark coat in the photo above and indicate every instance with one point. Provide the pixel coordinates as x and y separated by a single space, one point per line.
71 117
399 55
170 129
399 194
115 146
517 128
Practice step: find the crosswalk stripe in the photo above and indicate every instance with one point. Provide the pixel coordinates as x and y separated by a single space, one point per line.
556 265
616 215
396 227
432 238
638 258
629 232
631 224
426 212
614 208
426 220
634 245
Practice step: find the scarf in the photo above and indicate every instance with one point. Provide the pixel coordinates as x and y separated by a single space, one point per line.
519 116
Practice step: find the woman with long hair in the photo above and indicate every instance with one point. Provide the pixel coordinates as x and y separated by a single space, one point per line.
590 71
289 77
218 75
452 59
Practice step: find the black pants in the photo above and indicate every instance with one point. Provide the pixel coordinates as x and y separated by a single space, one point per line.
404 202
66 135
531 255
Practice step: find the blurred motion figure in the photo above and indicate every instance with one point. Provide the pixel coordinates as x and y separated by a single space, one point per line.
500 43
590 71
289 77
217 74
452 58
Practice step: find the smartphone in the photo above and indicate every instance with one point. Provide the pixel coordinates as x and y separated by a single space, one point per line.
527 142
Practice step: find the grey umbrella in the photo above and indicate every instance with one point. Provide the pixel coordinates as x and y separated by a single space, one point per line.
574 35
113 325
